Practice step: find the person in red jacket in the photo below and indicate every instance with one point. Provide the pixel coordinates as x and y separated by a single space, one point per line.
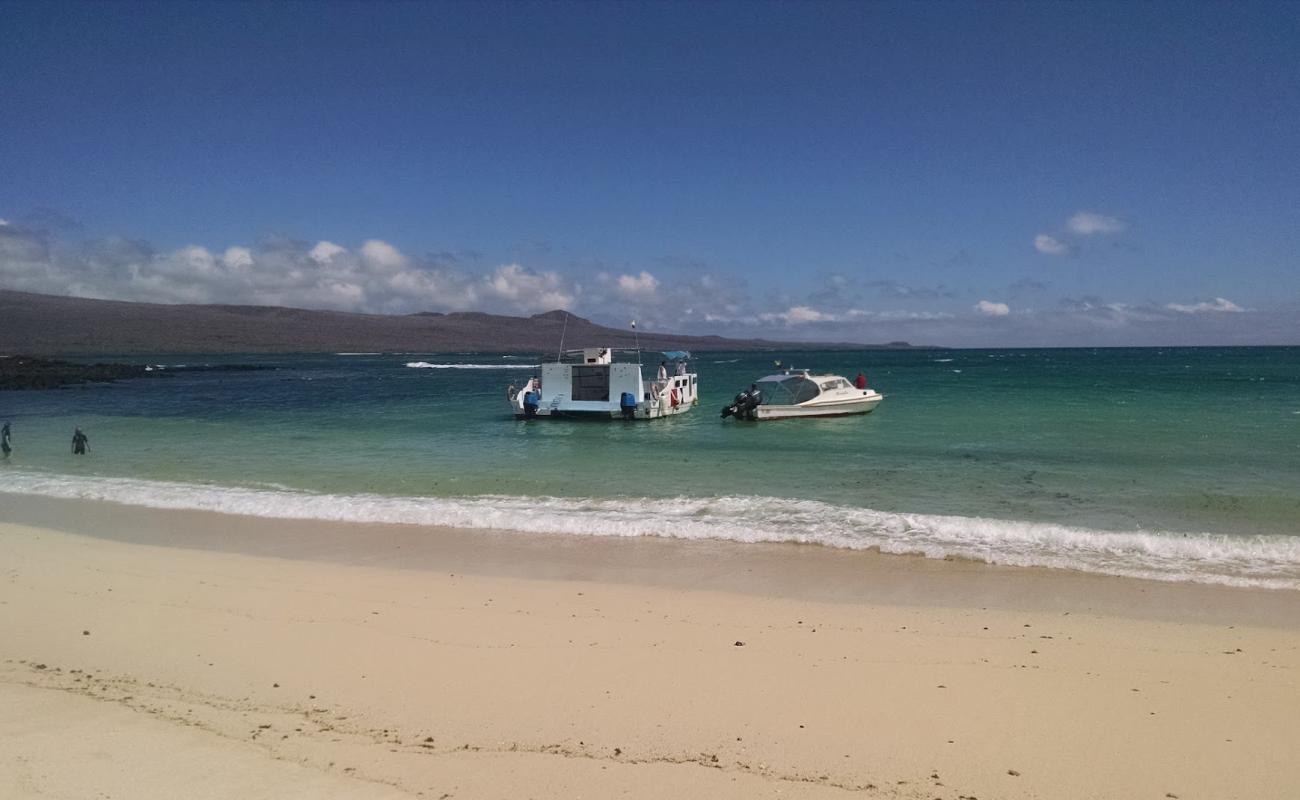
861 380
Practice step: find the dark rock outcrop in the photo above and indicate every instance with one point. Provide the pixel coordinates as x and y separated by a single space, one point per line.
25 372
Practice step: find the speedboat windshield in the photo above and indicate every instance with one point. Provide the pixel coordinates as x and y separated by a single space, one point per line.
787 390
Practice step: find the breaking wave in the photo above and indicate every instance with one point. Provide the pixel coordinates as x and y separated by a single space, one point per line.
1257 561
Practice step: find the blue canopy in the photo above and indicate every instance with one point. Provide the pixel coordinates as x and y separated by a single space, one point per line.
677 355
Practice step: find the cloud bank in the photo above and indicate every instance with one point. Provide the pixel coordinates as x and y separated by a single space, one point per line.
375 276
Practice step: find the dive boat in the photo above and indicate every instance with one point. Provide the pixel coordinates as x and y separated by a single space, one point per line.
802 393
591 383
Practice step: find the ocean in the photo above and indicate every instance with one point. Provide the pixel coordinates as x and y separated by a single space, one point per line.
1179 464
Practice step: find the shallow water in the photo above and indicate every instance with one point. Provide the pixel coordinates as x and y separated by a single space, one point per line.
1168 463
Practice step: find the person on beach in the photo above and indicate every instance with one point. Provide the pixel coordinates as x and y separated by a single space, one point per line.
5 446
79 442
861 380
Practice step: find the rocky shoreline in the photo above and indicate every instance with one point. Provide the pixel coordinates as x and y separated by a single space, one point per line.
27 372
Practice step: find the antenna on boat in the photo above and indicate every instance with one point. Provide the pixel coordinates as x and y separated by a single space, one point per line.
637 338
563 330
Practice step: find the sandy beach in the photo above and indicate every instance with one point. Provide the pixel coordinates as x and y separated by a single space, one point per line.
181 654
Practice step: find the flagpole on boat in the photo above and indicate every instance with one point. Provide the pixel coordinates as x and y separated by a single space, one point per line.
636 337
564 329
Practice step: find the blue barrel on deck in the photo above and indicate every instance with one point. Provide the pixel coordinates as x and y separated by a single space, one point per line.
627 401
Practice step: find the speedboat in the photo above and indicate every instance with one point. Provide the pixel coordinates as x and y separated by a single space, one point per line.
591 383
802 393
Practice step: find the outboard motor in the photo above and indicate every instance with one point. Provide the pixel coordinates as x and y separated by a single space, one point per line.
742 407
531 401
627 404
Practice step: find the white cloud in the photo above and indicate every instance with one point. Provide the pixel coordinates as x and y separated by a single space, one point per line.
382 255
531 291
197 259
644 285
806 315
1046 243
797 315
894 316
324 251
1086 223
1219 305
992 309
237 257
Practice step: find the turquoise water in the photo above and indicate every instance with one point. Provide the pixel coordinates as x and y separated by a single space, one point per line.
1169 463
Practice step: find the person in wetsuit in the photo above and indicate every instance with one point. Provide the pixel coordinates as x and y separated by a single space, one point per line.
79 442
5 446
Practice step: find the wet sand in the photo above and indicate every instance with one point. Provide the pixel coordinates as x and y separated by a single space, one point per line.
149 653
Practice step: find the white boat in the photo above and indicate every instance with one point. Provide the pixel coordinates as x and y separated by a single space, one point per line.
802 393
591 383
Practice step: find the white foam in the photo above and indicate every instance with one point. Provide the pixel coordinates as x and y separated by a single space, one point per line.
1258 561
358 354
427 365
941 360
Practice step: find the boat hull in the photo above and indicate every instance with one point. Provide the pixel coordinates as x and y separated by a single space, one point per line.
641 413
840 408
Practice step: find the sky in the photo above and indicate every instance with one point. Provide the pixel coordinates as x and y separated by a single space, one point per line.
963 174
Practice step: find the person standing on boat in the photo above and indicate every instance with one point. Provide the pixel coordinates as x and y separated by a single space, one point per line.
5 446
79 442
861 380
681 367
663 370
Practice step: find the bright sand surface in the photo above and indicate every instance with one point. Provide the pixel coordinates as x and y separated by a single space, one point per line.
180 654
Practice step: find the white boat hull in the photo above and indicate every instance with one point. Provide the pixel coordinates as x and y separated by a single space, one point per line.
831 408
574 410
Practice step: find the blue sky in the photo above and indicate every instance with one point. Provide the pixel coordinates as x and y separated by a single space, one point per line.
992 174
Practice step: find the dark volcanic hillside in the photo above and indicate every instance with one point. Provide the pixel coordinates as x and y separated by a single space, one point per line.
40 324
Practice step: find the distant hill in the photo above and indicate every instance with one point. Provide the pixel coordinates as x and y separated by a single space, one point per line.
40 324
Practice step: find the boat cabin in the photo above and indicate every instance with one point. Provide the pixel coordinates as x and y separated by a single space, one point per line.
793 388
594 382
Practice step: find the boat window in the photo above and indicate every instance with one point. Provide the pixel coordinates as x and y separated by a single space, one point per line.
788 391
590 383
